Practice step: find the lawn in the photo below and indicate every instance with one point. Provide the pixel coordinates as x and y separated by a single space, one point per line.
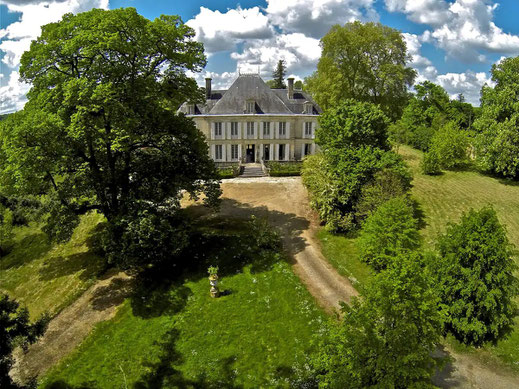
46 277
173 334
443 199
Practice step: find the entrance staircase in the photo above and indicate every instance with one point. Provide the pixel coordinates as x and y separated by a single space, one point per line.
252 170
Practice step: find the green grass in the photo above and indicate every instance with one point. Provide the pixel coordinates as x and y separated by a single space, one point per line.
46 277
175 335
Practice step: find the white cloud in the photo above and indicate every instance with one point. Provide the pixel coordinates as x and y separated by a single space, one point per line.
469 83
432 12
16 37
314 18
223 31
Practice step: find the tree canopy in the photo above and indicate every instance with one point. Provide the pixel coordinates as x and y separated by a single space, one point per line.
365 62
100 130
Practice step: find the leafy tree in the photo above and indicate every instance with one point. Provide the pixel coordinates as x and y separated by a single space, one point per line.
391 230
100 131
353 124
279 75
451 145
497 146
15 329
365 62
386 339
431 163
475 278
298 85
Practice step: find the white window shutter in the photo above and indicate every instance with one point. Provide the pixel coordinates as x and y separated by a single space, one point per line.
288 130
272 130
275 129
240 128
229 154
254 130
212 152
261 130
212 133
287 152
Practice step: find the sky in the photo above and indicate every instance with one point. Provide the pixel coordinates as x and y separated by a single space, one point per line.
453 43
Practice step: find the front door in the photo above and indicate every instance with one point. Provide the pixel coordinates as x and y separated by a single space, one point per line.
266 153
249 154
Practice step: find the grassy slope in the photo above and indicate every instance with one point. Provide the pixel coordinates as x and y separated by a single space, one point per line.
252 337
443 199
47 277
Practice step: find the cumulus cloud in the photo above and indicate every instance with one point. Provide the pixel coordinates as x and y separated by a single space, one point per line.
314 18
464 28
468 83
223 31
16 37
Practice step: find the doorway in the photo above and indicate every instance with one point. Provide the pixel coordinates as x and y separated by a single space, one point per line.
266 152
250 154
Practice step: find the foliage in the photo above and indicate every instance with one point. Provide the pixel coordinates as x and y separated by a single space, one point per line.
475 278
264 237
386 339
389 232
352 123
212 270
430 164
365 62
6 228
94 128
278 75
15 330
497 146
284 169
451 145
335 180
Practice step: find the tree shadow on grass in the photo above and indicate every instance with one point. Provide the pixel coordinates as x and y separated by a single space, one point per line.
111 295
444 377
86 264
28 249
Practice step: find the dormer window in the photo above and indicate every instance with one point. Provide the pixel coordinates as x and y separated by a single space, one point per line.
309 108
190 109
250 106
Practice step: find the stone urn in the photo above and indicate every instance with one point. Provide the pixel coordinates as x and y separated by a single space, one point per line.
213 281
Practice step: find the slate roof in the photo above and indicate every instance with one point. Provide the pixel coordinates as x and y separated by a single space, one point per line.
249 87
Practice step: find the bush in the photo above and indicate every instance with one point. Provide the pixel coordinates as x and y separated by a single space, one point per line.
475 278
387 339
391 230
430 164
284 169
450 145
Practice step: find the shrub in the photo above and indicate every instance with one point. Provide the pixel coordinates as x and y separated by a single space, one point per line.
430 164
475 278
450 145
284 169
387 339
388 232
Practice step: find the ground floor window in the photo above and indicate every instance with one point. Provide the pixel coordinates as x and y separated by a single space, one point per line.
266 152
234 151
308 149
281 152
218 153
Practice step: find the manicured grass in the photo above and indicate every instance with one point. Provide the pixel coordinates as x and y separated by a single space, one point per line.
46 277
341 252
260 334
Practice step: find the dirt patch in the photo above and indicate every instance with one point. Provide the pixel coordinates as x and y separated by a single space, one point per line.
68 329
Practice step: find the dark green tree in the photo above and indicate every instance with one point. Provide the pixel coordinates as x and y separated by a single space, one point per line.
15 329
100 131
279 75
475 278
497 146
365 62
386 340
391 230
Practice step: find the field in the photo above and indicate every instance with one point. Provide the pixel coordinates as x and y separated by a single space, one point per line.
173 334
443 199
46 277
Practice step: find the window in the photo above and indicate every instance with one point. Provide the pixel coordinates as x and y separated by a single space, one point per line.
234 151
250 129
309 109
218 154
218 129
234 129
266 129
191 109
282 129
250 107
308 129
281 152
308 149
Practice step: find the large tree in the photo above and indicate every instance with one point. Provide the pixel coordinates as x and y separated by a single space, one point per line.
498 126
100 130
475 278
363 61
278 75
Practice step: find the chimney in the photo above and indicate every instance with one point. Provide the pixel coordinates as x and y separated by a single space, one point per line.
208 88
290 87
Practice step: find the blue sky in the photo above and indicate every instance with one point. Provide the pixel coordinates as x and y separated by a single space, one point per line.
451 42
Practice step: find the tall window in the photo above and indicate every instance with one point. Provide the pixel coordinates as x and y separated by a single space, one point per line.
218 129
282 129
266 129
281 152
218 154
234 151
308 129
234 129
250 129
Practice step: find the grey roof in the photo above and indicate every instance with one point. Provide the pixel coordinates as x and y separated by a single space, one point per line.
250 87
